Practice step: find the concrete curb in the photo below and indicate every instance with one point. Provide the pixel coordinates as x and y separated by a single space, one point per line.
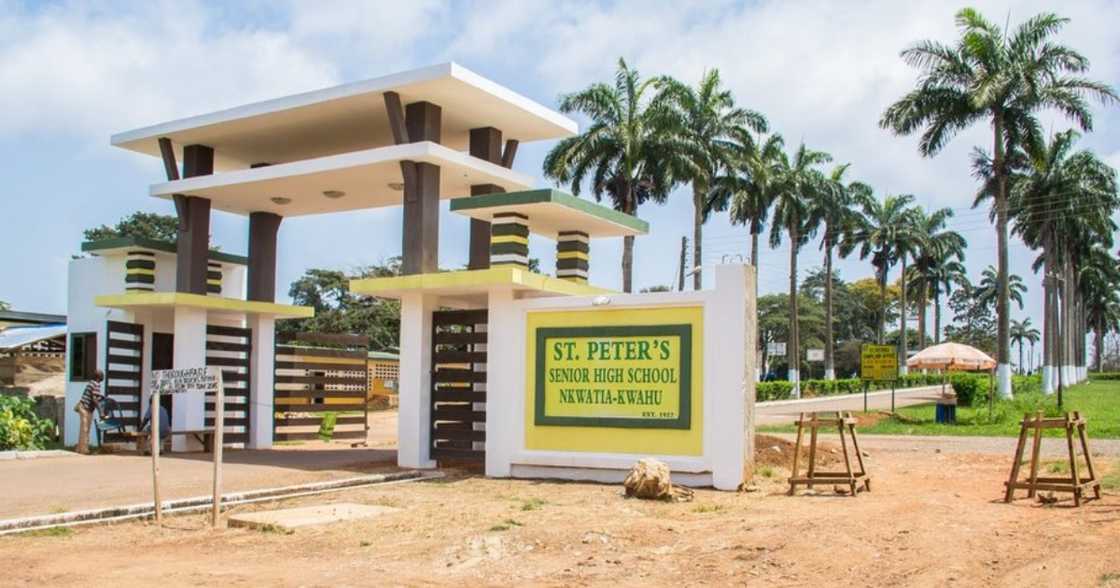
875 394
199 503
40 454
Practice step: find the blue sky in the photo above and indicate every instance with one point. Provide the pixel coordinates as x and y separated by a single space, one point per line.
73 73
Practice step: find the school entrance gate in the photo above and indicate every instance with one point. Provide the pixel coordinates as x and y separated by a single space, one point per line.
458 405
321 386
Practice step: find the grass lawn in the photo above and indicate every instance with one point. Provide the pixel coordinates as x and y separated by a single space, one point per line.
1098 401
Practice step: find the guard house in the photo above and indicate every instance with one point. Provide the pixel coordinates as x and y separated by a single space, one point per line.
409 139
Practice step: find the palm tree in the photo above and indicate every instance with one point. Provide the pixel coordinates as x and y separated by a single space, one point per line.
886 231
629 151
945 275
1062 199
988 289
1023 331
799 182
1006 80
1099 283
715 129
939 247
747 188
831 207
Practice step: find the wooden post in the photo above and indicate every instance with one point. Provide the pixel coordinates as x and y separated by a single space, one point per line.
216 440
154 442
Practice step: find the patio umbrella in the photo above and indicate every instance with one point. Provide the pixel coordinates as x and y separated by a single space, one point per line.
951 356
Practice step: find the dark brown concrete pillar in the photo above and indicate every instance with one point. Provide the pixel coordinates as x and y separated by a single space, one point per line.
193 247
485 143
261 279
420 237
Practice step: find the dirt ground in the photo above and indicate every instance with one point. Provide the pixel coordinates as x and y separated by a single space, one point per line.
932 519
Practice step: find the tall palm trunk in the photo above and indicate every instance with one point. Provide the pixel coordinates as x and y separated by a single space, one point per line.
1003 307
902 342
882 304
1020 357
628 245
937 317
829 371
1098 345
793 352
754 263
698 191
1048 323
922 308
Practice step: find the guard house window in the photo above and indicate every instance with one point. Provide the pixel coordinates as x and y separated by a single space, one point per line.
83 356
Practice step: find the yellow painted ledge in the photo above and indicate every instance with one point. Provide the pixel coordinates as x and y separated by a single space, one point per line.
472 282
216 303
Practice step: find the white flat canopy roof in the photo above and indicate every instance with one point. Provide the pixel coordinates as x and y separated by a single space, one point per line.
352 117
370 179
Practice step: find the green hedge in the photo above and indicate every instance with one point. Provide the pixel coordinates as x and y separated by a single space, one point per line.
20 427
970 388
1104 375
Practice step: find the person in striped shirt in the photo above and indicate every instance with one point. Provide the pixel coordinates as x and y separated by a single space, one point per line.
90 401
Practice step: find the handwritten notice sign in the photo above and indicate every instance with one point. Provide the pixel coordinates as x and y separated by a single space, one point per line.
614 376
176 381
878 362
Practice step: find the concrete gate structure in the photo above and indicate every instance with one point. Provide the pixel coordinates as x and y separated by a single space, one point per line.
538 375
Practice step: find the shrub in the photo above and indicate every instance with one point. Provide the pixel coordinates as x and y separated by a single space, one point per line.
326 426
20 427
775 390
970 388
1104 375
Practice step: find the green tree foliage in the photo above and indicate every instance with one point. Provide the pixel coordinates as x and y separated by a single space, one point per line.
337 310
1003 78
629 152
20 427
145 225
774 326
716 130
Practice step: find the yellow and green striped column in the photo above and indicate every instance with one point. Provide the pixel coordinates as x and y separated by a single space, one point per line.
572 256
214 278
140 271
509 240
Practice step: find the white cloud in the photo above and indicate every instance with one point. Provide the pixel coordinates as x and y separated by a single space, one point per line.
76 69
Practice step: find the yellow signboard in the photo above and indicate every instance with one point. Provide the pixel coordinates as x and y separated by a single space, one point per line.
878 362
614 376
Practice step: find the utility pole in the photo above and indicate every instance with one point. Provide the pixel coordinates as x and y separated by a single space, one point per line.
684 252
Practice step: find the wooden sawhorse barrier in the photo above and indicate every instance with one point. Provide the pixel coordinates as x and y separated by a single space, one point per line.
845 424
1074 484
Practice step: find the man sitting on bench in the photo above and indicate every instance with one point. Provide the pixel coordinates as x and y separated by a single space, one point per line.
144 442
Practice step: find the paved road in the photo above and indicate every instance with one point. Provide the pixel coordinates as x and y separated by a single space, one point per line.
1051 446
779 412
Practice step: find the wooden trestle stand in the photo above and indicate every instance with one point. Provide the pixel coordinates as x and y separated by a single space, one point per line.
845 423
1074 484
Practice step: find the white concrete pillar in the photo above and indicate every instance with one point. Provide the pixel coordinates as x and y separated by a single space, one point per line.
414 439
189 410
729 322
503 348
261 362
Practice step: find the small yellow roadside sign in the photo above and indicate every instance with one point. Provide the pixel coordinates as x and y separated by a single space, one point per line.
878 362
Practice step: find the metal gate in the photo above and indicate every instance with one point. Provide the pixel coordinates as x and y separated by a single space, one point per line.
229 347
316 375
124 352
459 385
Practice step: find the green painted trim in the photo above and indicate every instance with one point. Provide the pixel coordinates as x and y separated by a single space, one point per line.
504 248
139 279
684 418
140 264
566 246
164 246
555 197
509 230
